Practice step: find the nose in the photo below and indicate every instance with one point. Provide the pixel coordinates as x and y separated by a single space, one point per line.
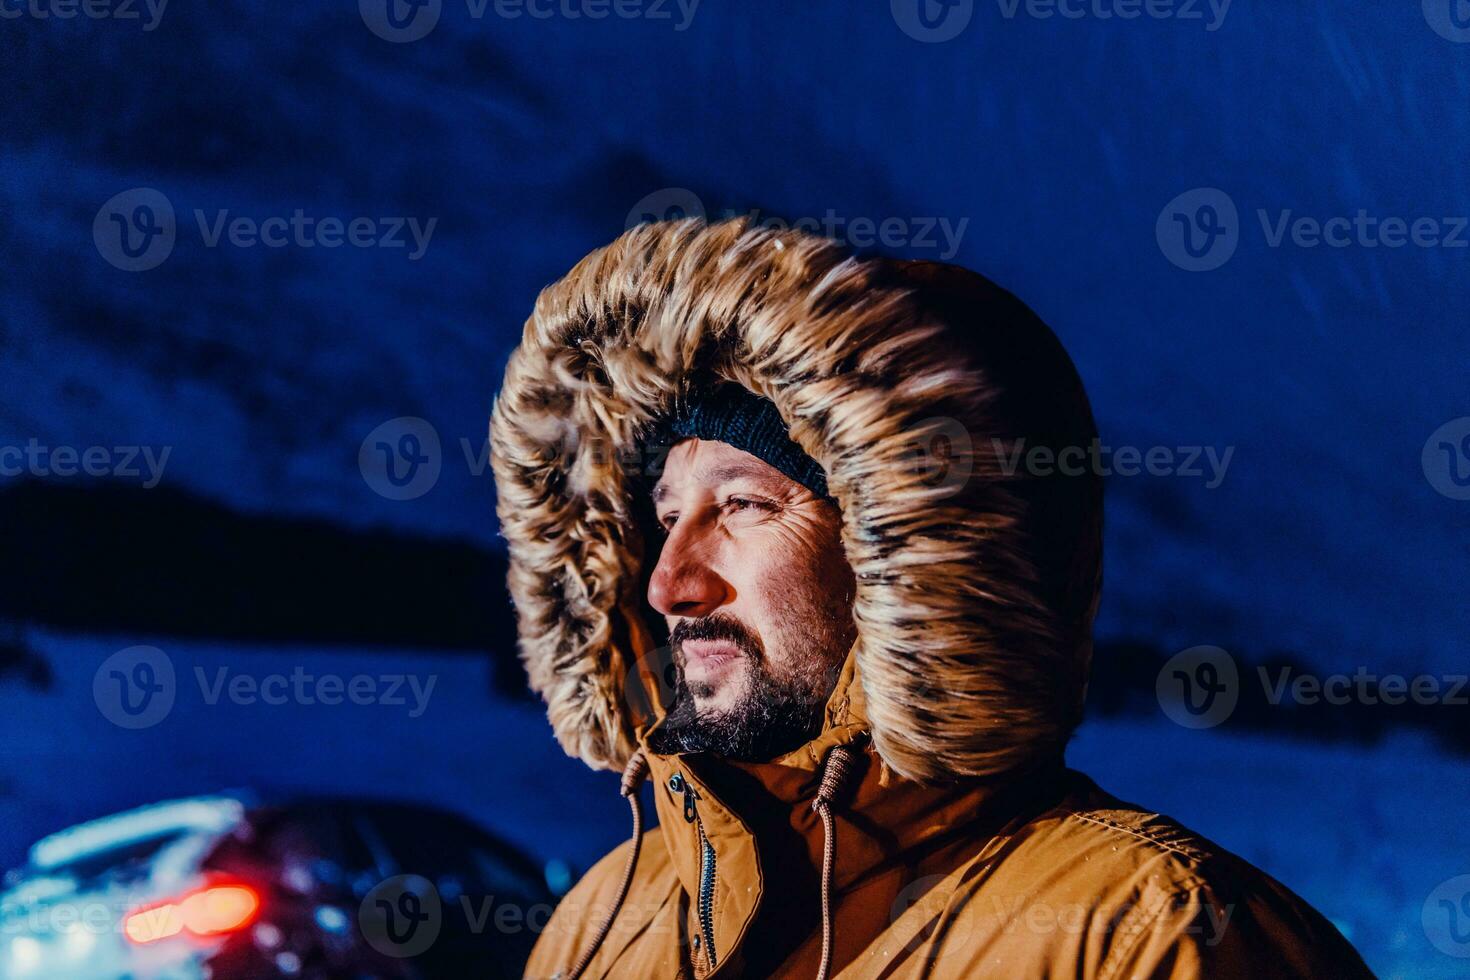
684 582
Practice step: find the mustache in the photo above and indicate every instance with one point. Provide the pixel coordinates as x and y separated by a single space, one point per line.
716 627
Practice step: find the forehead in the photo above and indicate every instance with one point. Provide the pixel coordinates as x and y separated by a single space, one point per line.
707 464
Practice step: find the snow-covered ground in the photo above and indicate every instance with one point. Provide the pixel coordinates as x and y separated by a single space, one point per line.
1366 836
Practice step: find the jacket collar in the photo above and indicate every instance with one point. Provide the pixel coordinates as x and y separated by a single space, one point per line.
767 842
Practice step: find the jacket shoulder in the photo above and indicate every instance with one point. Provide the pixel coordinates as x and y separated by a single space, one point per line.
648 905
1128 840
1128 892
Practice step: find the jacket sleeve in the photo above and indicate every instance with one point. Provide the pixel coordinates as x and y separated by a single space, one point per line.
1202 931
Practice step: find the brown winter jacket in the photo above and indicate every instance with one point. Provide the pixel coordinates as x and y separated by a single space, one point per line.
959 845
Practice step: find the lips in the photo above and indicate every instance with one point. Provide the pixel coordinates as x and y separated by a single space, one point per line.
709 655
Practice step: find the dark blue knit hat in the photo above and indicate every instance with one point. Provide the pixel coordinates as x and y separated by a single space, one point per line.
731 414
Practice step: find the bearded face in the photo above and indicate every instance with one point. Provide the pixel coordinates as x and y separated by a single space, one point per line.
757 594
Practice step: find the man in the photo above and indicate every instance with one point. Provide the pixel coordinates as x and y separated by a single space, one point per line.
767 553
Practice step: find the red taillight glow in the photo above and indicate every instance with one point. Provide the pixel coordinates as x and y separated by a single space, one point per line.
209 911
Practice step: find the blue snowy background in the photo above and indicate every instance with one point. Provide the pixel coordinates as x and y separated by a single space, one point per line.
1138 180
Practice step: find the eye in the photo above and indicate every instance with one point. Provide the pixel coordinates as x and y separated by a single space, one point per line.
666 521
748 503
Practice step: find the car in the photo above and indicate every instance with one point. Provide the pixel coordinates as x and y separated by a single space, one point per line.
227 887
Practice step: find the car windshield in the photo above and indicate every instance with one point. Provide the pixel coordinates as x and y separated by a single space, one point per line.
116 861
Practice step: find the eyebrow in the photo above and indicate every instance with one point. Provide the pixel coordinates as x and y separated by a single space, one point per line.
718 475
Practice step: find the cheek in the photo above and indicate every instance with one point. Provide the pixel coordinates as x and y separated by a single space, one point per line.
782 582
807 557
771 563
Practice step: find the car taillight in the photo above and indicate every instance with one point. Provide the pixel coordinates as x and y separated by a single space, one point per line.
209 911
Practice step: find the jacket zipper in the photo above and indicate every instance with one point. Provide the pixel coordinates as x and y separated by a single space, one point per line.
705 903
707 894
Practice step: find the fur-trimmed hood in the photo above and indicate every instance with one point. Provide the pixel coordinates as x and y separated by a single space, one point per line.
920 388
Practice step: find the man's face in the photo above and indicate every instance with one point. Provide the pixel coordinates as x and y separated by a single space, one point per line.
757 594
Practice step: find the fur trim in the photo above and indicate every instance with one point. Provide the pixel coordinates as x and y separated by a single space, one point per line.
976 586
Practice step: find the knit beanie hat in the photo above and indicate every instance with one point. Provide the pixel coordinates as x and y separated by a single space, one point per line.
730 413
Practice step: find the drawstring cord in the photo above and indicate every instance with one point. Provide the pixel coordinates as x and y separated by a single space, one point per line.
633 776
835 771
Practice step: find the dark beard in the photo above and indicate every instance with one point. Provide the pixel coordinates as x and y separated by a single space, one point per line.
775 717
